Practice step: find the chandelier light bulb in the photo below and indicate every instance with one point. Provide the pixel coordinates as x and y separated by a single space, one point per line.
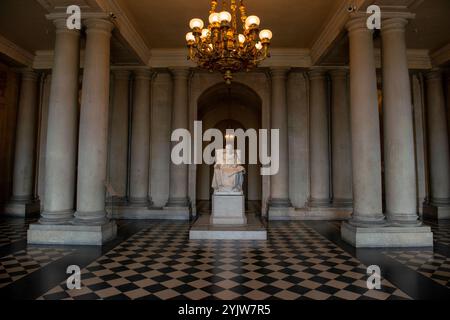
190 37
252 21
258 45
225 16
214 18
196 24
205 33
241 38
265 34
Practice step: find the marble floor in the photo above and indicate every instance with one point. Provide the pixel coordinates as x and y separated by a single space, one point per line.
156 260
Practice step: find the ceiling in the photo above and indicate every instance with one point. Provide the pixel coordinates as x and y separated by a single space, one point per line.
163 24
294 23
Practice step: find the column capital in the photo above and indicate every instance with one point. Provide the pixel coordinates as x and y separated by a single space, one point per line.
99 25
121 74
142 74
316 74
339 73
29 74
394 24
279 72
61 25
434 74
180 72
357 24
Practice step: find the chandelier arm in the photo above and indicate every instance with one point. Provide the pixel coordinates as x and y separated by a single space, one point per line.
243 13
213 6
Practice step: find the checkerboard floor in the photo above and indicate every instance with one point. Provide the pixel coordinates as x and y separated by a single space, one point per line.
428 263
18 265
12 230
161 263
441 231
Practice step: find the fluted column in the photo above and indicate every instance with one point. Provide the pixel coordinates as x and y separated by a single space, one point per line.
318 141
279 183
341 149
61 146
118 146
439 155
93 136
23 176
365 127
178 190
400 172
140 140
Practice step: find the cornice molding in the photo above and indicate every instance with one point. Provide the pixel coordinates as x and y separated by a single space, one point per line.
418 59
332 30
15 52
336 24
162 58
126 28
441 56
44 59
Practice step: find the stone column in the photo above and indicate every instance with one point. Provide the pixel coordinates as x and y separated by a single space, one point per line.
400 172
93 136
61 152
23 200
365 127
319 157
367 227
279 183
439 155
140 140
448 103
341 140
118 145
178 190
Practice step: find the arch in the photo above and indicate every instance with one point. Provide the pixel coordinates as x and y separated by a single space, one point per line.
234 106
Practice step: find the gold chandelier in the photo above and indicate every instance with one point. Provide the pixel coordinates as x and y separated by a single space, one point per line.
221 47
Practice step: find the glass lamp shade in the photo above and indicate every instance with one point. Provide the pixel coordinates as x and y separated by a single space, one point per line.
214 18
225 16
190 37
241 38
258 46
252 21
205 33
196 24
265 34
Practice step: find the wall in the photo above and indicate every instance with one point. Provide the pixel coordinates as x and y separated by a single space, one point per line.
9 92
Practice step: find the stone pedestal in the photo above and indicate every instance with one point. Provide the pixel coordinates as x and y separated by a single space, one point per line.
228 209
436 211
70 234
386 237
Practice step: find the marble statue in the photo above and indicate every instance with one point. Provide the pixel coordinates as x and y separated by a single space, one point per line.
228 172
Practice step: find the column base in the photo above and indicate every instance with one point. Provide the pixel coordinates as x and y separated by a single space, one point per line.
178 203
70 234
342 203
22 208
319 203
117 201
280 203
328 213
140 202
144 213
386 237
436 211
